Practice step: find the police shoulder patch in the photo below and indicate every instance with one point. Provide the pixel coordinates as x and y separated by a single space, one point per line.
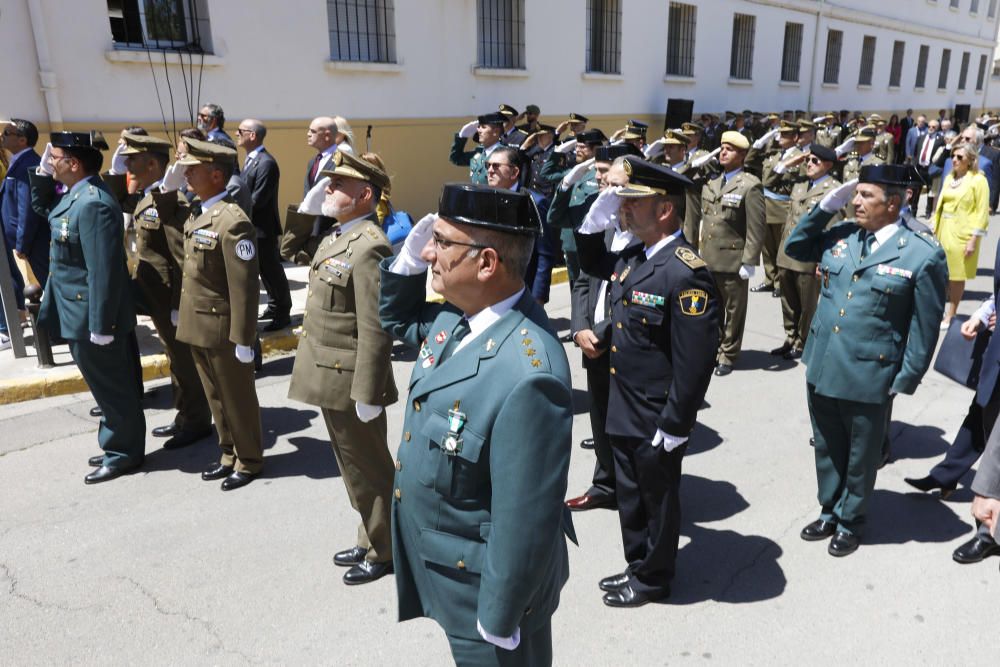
693 302
245 250
690 257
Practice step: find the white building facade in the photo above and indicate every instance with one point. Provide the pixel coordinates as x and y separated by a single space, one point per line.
416 70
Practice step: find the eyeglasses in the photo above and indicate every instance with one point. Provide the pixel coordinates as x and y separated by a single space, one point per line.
958 158
55 158
814 160
495 166
322 129
204 115
241 131
441 243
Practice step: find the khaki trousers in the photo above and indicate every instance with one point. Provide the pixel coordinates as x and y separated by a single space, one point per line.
733 293
232 397
799 297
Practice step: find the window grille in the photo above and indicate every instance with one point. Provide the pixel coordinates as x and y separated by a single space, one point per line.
604 36
791 53
981 77
362 30
501 34
867 61
831 69
963 72
174 25
682 22
943 73
896 69
741 55
922 59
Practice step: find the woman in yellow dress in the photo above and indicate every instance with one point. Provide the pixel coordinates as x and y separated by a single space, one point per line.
960 220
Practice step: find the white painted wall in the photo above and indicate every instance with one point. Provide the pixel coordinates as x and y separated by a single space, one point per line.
270 61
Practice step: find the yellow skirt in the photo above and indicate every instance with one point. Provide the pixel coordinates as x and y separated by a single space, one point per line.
953 237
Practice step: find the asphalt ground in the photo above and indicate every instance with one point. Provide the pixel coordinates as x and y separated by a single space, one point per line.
161 568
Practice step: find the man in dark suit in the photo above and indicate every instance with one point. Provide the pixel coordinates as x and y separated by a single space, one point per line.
590 326
927 158
87 300
665 310
27 232
322 137
261 174
211 120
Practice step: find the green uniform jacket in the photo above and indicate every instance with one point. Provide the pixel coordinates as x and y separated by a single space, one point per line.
221 287
475 160
87 290
732 222
803 200
480 533
344 355
570 207
877 322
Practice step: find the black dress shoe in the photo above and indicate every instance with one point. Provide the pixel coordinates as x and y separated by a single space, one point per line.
812 442
843 544
349 557
763 287
366 572
166 431
928 484
723 369
781 351
568 338
237 479
776 293
216 471
818 530
268 314
975 550
614 582
589 502
587 443
96 461
96 411
106 474
184 437
278 323
794 353
626 596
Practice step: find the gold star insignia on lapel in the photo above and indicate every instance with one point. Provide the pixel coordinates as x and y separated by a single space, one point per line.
526 341
536 363
530 352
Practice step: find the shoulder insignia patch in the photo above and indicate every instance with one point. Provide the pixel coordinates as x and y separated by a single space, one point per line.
690 257
371 233
245 250
929 238
693 302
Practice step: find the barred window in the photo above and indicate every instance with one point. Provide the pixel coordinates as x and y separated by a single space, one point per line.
974 7
791 54
867 61
945 65
501 34
159 24
896 70
682 22
604 36
992 11
954 4
963 72
741 55
981 77
362 30
925 52
831 69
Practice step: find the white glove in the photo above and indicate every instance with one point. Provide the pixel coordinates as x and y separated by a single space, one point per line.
173 179
469 130
175 317
567 146
366 412
603 211
118 162
760 143
43 167
844 148
669 442
508 643
704 159
654 149
747 271
100 339
312 203
408 262
839 197
819 119
576 174
244 354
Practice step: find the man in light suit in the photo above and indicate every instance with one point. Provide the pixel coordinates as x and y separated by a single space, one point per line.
478 521
873 336
261 175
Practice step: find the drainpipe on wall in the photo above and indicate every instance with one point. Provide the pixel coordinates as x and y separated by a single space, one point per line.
46 76
812 65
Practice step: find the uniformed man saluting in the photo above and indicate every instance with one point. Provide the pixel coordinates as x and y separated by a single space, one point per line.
86 298
344 360
872 337
663 346
489 128
218 310
478 521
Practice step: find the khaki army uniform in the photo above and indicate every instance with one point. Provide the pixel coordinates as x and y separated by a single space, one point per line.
218 310
343 358
828 136
159 219
885 147
692 198
777 191
799 285
732 230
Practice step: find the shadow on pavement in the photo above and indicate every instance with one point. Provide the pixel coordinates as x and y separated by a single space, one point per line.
898 518
313 459
703 439
752 360
277 422
917 442
277 366
191 459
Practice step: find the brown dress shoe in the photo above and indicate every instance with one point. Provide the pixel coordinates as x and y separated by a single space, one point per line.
588 502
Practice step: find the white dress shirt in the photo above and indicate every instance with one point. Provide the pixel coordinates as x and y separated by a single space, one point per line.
486 317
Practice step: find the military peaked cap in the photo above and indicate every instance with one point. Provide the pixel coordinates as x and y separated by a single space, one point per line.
494 208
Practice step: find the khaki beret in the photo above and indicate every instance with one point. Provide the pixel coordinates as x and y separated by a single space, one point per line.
736 140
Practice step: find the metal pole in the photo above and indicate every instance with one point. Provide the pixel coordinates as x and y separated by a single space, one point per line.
9 305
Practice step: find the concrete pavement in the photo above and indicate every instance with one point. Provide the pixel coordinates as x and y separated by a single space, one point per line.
162 568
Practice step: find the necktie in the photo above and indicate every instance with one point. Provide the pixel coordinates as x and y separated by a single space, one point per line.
868 244
461 330
925 154
196 209
247 164
315 169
